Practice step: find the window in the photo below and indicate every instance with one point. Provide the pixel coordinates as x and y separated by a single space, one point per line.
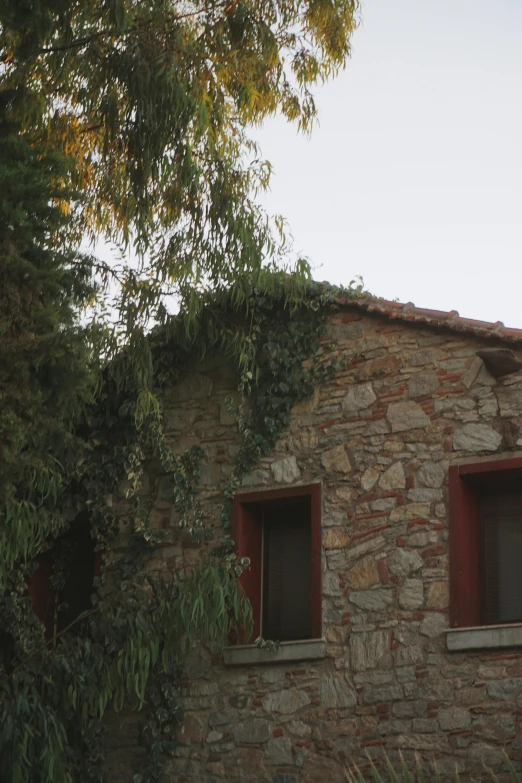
280 531
501 555
486 543
59 606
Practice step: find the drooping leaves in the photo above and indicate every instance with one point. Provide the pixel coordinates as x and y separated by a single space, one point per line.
129 119
153 100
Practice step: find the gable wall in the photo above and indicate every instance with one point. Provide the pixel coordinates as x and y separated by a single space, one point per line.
380 437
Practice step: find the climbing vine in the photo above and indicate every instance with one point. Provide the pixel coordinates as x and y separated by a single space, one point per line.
127 649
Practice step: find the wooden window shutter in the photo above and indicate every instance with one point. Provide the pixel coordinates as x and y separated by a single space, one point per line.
280 531
287 573
247 531
39 589
501 528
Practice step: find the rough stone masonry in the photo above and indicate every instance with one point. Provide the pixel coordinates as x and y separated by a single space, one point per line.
380 437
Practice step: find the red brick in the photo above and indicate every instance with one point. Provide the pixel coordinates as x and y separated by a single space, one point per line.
375 515
415 522
382 569
442 392
433 551
373 529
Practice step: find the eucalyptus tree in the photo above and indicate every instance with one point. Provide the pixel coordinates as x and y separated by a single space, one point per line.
129 120
153 99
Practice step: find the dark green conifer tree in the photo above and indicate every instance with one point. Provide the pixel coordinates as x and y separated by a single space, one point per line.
45 375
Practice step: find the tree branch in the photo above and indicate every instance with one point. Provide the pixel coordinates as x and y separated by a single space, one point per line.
78 44
90 128
81 42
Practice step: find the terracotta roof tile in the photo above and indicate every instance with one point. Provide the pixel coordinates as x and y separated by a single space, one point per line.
434 318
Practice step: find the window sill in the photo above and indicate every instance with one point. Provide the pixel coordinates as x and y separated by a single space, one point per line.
249 654
484 637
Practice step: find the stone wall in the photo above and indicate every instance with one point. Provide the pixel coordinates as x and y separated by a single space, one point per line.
380 437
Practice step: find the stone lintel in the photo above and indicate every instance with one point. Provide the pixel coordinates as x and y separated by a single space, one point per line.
472 460
250 654
484 637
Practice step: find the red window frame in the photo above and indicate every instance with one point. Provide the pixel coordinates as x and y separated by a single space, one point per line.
465 568
247 534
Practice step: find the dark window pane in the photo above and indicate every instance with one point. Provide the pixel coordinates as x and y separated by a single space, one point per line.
287 573
75 597
501 523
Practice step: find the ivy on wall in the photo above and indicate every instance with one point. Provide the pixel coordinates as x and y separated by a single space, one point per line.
127 649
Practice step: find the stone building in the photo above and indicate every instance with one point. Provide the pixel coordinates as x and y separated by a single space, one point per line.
394 502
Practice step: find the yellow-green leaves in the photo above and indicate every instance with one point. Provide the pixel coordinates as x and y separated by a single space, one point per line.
153 101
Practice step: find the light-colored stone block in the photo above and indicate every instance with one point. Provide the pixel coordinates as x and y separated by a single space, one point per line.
405 416
286 701
336 538
423 383
250 654
369 478
433 625
393 478
359 397
476 437
336 460
364 573
286 470
411 595
372 600
484 637
337 693
431 475
367 649
403 562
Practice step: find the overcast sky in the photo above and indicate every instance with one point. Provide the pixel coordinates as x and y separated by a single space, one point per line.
413 178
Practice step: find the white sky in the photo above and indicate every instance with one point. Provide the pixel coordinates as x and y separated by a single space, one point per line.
413 178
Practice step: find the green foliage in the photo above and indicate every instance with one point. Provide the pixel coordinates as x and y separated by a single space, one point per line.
128 119
384 771
55 697
128 648
45 382
153 101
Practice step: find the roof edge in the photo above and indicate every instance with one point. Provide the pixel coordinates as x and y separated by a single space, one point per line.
436 319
